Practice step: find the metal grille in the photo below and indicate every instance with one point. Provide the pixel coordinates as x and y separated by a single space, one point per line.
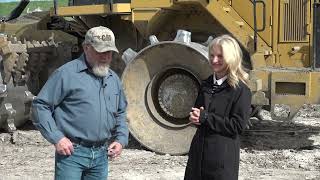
294 20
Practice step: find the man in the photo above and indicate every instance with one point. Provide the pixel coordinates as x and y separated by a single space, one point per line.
81 107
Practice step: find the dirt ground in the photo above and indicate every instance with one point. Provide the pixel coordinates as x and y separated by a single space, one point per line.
270 150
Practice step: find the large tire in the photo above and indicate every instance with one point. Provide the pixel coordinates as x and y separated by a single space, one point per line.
161 83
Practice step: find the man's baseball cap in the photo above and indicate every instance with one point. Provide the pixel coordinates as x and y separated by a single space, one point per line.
101 39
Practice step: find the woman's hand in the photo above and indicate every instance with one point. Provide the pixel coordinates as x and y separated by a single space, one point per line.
195 115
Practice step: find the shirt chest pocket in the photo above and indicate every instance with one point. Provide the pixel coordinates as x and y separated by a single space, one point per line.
112 102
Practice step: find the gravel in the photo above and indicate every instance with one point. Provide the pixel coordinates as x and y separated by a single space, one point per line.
270 150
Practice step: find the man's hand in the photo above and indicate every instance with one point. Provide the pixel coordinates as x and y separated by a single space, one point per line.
195 115
114 150
64 147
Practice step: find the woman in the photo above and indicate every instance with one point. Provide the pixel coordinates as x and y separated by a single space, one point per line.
221 113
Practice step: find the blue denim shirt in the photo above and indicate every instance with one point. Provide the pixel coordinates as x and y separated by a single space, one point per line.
77 104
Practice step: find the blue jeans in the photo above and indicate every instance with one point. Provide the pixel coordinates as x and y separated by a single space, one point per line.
84 164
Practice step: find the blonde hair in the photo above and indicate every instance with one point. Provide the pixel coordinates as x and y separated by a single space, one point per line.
232 56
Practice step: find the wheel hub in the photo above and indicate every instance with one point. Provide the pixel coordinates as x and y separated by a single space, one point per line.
177 94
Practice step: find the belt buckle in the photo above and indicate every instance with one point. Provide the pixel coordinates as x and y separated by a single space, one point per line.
95 144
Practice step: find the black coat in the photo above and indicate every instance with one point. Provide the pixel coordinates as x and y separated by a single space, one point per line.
214 151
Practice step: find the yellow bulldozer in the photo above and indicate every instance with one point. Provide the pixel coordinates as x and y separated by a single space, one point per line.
164 56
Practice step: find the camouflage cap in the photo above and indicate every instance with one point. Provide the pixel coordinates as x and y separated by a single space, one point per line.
101 39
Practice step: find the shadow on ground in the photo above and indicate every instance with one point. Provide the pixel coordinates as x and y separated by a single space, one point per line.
268 135
27 126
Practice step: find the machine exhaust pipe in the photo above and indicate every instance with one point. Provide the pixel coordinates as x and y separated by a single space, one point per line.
316 34
16 12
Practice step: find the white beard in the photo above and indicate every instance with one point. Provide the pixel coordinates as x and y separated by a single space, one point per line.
100 70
